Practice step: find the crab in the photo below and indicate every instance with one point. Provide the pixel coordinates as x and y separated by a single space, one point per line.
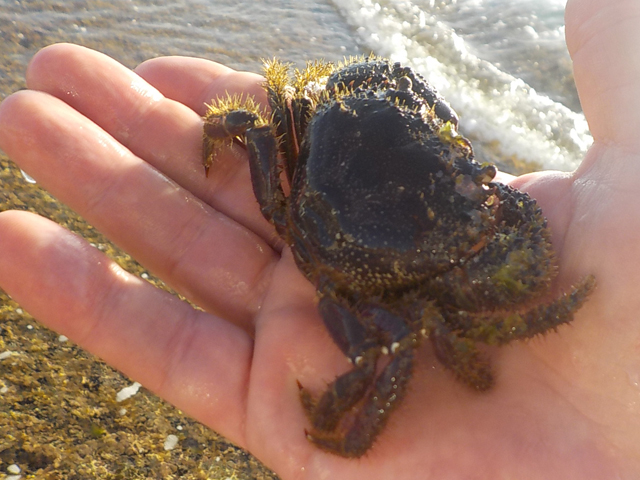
361 170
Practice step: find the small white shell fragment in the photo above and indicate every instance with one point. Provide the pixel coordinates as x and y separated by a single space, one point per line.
170 442
28 178
6 354
128 392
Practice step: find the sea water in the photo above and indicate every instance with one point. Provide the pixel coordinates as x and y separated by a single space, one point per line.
502 64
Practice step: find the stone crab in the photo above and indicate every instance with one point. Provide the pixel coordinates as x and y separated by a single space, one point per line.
404 235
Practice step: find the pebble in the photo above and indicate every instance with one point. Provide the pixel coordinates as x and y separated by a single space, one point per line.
6 354
128 392
13 468
170 442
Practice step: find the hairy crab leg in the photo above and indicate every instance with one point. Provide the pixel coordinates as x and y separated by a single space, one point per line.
499 328
249 125
461 356
348 389
354 409
372 414
457 351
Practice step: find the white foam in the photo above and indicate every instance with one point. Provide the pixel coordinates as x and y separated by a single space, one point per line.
493 106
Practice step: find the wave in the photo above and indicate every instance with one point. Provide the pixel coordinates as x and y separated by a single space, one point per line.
504 113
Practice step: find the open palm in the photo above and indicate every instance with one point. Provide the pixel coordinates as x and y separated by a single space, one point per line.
123 149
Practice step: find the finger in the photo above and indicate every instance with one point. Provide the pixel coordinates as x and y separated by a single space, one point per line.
199 81
210 259
163 132
196 361
603 38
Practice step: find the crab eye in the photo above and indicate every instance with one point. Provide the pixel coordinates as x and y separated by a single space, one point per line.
404 84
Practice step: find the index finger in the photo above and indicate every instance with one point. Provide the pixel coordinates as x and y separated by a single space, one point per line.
201 253
165 133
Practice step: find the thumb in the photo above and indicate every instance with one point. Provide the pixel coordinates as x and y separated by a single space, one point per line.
603 38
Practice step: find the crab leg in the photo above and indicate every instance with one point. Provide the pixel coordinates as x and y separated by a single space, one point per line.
457 351
461 356
348 389
349 415
498 328
265 176
263 158
372 415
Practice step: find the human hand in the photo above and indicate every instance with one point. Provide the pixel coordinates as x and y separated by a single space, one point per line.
127 157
